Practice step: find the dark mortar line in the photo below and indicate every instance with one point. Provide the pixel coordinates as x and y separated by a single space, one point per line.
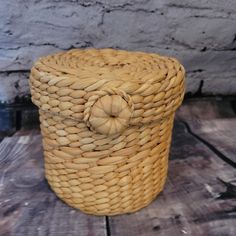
18 120
14 71
16 48
233 106
44 44
209 145
199 90
223 49
211 17
196 71
174 5
108 229
189 96
134 10
234 39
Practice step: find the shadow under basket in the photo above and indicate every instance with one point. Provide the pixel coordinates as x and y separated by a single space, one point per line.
106 120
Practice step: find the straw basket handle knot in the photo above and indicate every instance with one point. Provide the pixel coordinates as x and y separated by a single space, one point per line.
108 111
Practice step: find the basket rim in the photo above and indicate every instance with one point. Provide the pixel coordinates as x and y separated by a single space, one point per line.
165 88
105 60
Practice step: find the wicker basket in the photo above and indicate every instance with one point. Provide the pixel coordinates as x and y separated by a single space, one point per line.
106 120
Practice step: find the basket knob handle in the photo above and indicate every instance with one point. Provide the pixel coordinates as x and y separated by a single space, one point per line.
108 112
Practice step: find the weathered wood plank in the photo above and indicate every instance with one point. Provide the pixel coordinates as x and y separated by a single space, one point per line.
213 122
194 202
199 198
220 133
207 109
28 206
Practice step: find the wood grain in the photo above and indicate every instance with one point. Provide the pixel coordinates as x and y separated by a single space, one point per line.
220 133
28 206
192 202
214 122
199 197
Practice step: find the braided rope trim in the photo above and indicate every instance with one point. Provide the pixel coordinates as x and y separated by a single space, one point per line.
62 83
100 94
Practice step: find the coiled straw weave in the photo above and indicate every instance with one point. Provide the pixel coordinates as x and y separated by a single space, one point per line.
106 120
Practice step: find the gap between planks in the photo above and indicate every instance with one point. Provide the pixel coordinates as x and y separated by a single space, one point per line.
209 145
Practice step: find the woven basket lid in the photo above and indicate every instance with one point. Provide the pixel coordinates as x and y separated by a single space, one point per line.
70 83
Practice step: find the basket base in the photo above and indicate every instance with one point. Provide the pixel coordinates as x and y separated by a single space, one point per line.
108 212
118 213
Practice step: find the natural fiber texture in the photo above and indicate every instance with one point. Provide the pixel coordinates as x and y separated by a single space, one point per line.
106 119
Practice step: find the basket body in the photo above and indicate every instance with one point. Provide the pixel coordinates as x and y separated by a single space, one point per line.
106 145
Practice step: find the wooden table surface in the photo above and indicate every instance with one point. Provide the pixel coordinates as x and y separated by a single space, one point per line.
199 197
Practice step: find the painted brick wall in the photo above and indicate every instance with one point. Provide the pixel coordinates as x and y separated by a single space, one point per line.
201 34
